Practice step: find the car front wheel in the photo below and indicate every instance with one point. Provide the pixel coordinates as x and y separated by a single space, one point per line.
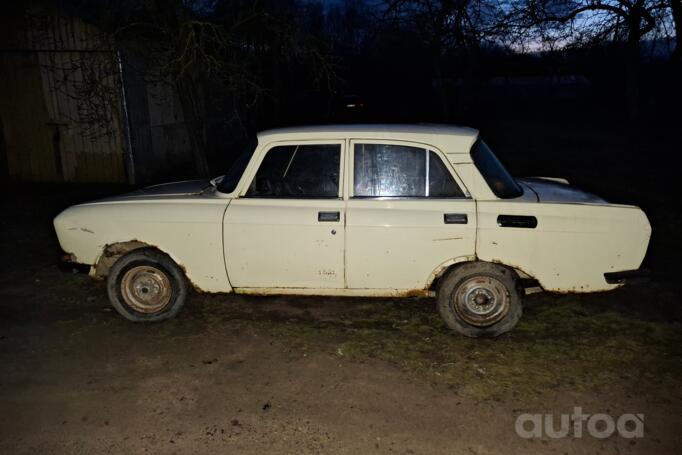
145 285
480 299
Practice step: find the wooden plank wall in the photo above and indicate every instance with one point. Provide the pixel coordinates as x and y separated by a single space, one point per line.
60 102
160 138
28 138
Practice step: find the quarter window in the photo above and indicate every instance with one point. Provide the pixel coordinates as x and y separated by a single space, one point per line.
298 171
441 183
387 170
499 180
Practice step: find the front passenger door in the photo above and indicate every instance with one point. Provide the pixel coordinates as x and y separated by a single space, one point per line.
286 230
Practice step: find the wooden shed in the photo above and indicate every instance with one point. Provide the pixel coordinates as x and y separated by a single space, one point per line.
74 107
60 99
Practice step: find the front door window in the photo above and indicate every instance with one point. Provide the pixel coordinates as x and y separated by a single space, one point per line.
298 171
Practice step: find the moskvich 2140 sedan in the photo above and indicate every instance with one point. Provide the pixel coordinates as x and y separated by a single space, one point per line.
358 210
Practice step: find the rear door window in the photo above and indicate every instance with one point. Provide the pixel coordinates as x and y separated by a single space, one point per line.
389 170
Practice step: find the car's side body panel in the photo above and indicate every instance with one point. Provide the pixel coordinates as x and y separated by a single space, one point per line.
272 243
187 229
467 172
397 244
571 247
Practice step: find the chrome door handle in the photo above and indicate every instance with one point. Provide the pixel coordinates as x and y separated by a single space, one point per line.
517 221
328 216
455 218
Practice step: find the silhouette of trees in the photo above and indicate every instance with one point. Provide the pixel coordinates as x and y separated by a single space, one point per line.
620 24
243 65
232 59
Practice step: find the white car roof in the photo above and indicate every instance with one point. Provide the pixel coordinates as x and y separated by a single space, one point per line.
449 138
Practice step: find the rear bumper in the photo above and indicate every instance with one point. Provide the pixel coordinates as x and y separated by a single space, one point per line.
627 276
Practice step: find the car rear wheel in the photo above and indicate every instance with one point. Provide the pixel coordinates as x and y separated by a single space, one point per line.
145 285
480 299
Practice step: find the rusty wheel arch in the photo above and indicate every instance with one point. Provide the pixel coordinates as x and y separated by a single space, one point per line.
524 279
113 251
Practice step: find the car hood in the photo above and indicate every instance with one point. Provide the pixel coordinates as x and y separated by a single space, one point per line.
555 190
182 189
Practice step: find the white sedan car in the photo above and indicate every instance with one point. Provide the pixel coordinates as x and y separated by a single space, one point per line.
358 210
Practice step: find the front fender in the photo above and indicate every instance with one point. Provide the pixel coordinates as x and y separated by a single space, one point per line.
190 233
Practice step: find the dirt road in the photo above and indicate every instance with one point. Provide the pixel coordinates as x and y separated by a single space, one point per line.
315 375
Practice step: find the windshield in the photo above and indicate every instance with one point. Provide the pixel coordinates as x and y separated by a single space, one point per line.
229 182
499 180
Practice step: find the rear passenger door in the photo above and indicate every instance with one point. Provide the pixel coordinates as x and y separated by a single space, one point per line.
285 230
407 214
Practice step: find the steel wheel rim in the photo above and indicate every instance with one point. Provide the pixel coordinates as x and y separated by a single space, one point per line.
481 301
146 289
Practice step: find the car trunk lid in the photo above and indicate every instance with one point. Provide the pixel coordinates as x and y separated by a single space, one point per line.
556 190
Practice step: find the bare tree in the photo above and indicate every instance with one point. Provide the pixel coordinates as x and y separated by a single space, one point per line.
573 22
676 13
222 56
448 28
187 49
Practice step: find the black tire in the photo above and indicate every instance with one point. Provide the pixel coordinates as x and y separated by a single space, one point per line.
145 285
480 299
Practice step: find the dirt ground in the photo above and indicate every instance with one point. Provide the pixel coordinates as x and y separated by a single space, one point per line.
249 375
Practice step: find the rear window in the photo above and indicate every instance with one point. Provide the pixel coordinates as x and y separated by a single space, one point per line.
502 184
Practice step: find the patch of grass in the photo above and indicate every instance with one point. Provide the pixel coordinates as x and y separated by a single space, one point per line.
563 342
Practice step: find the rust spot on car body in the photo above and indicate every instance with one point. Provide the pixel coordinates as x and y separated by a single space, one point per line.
344 292
580 289
69 257
415 293
112 252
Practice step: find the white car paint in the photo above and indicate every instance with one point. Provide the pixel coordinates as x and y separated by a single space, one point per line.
571 248
188 228
379 246
280 244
